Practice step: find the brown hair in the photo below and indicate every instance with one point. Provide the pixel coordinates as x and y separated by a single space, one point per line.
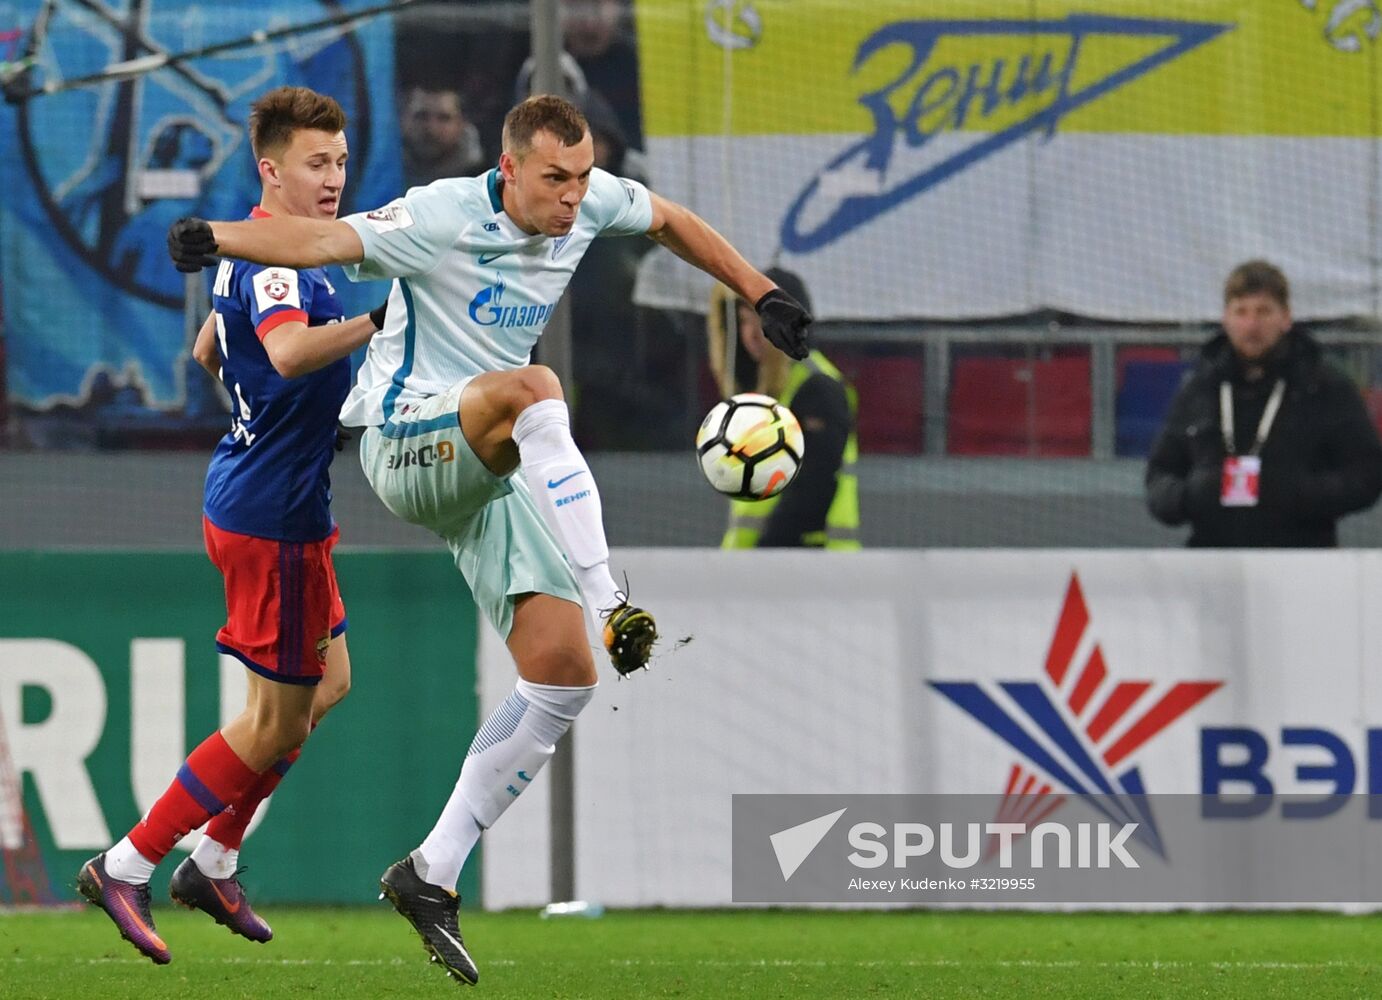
542 113
284 110
1257 276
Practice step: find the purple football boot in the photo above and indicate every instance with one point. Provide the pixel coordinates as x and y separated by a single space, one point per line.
223 898
127 904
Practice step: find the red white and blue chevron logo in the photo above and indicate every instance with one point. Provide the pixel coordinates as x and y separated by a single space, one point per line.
1077 730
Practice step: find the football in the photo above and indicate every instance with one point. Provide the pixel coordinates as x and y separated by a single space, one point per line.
749 446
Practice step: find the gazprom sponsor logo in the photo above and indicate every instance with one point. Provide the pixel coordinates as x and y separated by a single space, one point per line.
488 308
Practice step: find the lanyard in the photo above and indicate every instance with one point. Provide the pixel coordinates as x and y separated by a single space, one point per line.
1264 426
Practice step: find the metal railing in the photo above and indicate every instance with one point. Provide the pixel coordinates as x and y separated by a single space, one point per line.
1359 342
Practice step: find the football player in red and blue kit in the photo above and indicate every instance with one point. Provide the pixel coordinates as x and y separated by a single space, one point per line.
278 341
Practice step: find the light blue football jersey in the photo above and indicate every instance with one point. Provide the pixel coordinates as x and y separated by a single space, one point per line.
473 291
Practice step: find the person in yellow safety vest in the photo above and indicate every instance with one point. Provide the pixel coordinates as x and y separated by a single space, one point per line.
820 509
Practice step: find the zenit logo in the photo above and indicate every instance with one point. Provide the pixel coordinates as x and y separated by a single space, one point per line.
1076 730
572 498
999 80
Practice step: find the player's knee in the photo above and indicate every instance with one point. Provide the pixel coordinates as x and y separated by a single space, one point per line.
290 736
533 384
280 734
330 693
562 666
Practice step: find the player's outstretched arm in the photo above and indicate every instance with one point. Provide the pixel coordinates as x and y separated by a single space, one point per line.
786 323
695 241
296 349
286 240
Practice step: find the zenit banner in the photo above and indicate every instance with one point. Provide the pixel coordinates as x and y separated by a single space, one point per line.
965 159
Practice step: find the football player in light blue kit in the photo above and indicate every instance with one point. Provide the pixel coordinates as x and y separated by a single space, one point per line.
453 407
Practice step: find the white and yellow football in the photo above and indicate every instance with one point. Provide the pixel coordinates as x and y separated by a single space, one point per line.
750 446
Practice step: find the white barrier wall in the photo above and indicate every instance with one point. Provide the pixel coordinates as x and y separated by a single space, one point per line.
815 672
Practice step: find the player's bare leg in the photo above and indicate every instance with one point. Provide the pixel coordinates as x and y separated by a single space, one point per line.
275 716
219 771
557 679
209 879
521 416
276 720
335 682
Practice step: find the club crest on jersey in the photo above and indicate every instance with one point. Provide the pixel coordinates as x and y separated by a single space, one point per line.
389 218
276 286
488 308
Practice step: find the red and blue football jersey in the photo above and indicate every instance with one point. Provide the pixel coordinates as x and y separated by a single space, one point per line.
269 475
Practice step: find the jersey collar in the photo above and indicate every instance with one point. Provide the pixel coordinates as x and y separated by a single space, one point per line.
258 213
493 182
514 233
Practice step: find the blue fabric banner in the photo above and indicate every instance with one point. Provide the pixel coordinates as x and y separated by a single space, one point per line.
91 177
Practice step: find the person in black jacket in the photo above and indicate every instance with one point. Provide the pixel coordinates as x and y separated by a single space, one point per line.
1266 444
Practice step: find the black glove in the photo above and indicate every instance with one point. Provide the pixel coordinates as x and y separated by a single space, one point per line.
191 245
376 315
343 437
786 323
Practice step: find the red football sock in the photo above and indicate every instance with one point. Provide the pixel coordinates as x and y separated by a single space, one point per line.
211 777
228 828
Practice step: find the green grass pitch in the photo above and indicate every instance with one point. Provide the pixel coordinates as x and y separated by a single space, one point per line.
371 953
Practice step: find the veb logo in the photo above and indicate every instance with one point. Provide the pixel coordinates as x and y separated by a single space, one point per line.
1076 730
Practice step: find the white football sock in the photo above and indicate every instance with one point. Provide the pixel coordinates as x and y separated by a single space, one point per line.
566 495
214 859
506 754
125 864
440 858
